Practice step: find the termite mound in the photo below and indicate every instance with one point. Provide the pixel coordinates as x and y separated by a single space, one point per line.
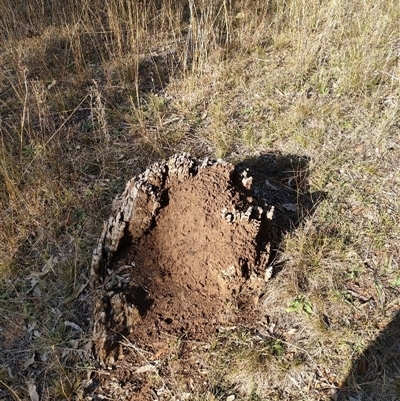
184 253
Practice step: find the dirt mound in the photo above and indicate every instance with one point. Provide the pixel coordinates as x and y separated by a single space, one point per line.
185 253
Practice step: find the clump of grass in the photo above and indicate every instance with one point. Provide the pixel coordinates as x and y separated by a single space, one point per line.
256 366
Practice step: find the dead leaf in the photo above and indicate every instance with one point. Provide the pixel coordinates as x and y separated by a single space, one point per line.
30 361
76 293
74 343
73 325
291 207
270 186
145 369
37 291
33 394
33 281
31 327
333 394
46 268
9 371
35 276
87 346
159 353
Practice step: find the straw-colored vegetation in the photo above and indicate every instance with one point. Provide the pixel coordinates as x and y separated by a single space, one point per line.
91 92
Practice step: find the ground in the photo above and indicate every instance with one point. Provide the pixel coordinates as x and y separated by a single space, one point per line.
305 95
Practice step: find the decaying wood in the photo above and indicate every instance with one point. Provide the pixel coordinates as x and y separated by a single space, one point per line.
134 213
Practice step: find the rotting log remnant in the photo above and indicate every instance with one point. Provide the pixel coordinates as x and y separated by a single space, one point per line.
185 252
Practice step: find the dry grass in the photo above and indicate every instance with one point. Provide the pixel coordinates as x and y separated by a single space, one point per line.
93 91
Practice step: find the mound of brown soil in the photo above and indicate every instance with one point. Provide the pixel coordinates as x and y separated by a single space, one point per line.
185 253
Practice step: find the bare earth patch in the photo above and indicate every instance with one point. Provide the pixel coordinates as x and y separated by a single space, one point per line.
185 254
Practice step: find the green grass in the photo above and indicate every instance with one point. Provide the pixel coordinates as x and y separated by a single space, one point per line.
91 93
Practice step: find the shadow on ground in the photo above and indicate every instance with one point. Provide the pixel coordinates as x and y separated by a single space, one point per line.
375 374
281 180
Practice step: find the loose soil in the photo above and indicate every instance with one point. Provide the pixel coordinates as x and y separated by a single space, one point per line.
190 259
